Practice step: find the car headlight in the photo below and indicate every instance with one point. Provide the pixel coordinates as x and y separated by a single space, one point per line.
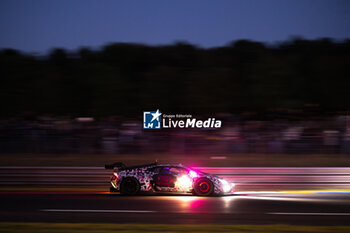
226 186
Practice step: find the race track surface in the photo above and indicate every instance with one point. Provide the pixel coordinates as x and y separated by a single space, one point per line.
253 208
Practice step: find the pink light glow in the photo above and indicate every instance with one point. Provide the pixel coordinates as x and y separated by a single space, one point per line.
192 174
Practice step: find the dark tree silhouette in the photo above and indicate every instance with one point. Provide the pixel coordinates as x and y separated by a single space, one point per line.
125 79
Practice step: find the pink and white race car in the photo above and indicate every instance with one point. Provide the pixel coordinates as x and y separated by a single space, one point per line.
166 178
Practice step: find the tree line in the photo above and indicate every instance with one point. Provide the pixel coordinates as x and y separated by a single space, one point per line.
124 79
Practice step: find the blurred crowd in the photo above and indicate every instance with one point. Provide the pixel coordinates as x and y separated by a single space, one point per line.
314 135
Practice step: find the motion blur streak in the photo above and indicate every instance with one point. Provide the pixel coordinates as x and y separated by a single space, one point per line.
293 199
325 214
98 211
245 178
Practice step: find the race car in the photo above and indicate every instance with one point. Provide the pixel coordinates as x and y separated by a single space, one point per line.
156 177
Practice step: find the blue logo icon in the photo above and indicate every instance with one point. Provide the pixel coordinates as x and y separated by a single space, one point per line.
151 120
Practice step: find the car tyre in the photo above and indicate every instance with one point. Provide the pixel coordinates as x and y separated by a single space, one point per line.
130 186
203 187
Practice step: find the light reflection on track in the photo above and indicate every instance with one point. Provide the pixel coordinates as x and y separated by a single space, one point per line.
185 209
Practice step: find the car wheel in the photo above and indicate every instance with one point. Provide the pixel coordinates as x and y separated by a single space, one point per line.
113 190
203 187
129 186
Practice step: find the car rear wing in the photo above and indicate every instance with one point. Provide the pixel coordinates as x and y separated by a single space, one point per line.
118 165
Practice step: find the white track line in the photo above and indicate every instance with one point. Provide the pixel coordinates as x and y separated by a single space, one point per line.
325 214
99 211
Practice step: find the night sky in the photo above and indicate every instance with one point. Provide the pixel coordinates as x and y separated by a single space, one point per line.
39 25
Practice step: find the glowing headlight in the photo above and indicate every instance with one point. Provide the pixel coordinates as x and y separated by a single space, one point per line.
184 182
226 186
192 174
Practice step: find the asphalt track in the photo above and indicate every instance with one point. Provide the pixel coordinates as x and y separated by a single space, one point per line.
250 208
